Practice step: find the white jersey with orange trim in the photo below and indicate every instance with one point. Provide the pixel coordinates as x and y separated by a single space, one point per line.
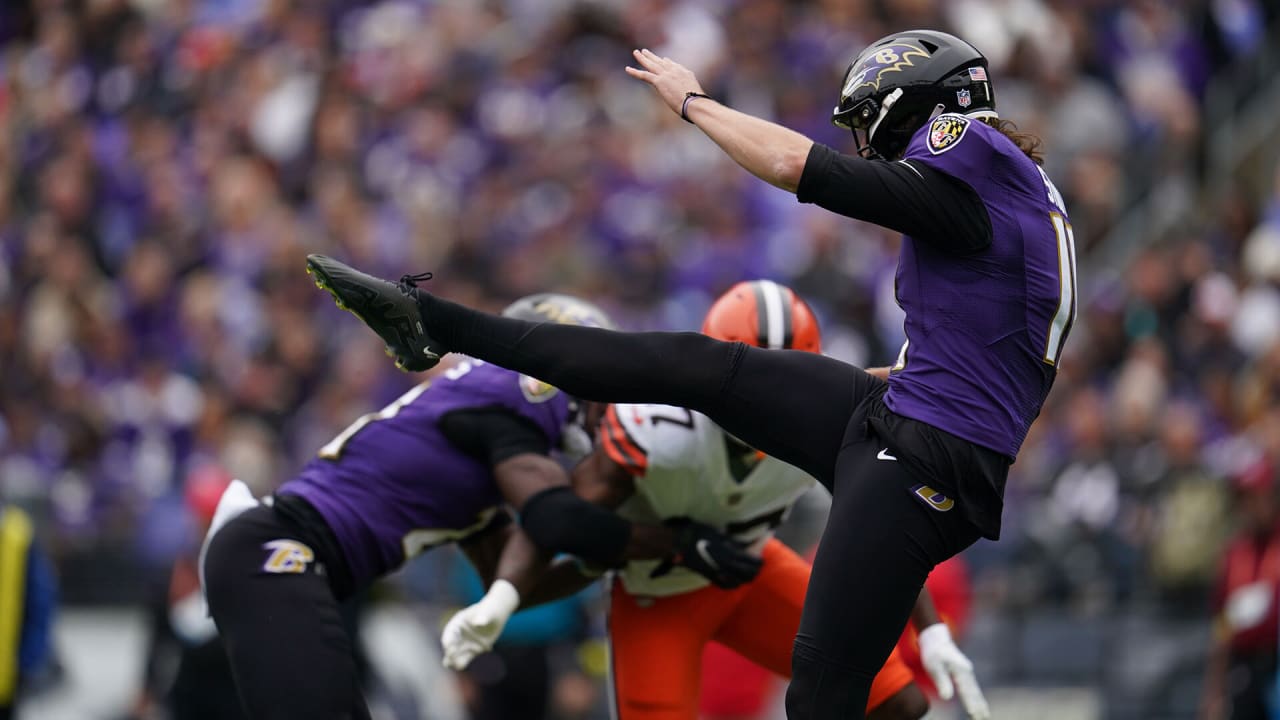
685 466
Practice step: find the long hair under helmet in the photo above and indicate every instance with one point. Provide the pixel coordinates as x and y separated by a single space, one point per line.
901 81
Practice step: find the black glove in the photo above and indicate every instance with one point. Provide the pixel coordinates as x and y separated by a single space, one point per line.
710 553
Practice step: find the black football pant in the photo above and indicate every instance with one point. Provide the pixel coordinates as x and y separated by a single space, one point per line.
290 648
881 540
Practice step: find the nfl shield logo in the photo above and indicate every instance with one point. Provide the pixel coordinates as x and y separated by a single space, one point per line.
963 98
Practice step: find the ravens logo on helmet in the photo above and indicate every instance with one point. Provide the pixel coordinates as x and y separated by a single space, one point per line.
901 81
558 308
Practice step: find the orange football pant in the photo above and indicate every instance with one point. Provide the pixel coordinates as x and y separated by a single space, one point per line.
657 643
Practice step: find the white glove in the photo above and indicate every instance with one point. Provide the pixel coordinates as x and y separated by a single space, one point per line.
474 629
945 663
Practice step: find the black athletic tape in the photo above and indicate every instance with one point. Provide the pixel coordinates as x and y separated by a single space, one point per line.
560 522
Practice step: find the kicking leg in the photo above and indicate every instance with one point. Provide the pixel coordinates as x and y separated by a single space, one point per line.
792 405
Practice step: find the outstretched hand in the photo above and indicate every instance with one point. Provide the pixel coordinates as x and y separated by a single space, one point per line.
474 629
669 78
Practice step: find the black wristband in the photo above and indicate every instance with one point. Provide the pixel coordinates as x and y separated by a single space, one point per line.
684 106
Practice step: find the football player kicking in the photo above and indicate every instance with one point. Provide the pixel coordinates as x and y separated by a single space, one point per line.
661 464
435 466
917 464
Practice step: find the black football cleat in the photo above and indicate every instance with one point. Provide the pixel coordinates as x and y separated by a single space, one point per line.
390 309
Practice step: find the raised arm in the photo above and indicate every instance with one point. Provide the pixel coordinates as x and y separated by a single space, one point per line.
767 150
907 196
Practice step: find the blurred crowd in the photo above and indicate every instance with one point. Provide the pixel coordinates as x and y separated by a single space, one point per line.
165 166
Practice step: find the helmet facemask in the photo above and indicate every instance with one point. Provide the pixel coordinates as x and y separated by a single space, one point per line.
891 123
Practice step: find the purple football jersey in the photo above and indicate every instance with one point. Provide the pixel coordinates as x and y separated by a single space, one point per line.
985 331
391 485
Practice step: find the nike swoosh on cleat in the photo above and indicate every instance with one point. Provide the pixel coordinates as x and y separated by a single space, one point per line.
884 455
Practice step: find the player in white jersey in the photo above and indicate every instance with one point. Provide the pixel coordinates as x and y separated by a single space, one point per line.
663 464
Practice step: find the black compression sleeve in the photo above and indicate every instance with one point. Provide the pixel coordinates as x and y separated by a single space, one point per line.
493 434
911 198
559 521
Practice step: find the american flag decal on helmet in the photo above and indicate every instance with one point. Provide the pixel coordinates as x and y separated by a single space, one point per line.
978 74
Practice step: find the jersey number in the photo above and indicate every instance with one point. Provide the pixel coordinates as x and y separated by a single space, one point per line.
333 449
684 421
415 542
1066 312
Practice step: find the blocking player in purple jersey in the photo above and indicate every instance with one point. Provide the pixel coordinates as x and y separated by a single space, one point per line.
438 465
916 459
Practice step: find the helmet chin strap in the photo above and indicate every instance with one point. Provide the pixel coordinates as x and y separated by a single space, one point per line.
889 101
892 98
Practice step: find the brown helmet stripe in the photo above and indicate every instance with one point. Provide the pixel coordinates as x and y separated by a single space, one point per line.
773 311
762 318
788 311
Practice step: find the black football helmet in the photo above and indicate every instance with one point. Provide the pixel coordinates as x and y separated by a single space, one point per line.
901 81
576 435
558 308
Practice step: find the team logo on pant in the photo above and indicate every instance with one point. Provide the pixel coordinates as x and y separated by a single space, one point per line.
933 498
287 556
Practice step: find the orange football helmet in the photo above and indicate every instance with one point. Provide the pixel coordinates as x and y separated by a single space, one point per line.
765 314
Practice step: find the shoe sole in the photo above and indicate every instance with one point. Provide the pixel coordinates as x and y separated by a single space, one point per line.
321 280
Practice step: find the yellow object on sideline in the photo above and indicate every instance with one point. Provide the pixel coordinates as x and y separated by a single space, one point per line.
15 541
